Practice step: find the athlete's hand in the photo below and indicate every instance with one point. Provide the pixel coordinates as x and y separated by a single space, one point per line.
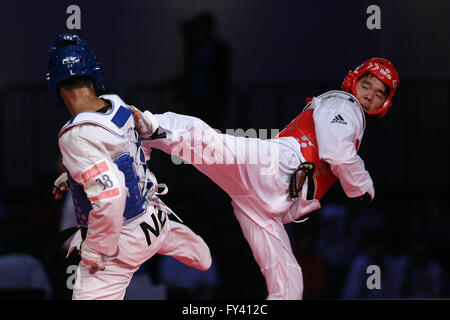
136 113
60 185
144 123
367 197
92 257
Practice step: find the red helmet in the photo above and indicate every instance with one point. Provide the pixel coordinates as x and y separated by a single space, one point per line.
381 68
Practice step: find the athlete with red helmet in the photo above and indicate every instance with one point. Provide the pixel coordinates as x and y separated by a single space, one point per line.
319 146
384 72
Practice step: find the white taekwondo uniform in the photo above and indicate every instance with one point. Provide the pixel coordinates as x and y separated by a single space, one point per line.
116 198
256 174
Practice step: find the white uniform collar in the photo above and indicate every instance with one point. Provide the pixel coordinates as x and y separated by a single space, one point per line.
117 120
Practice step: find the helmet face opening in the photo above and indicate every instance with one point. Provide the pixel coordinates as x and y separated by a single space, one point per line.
70 56
384 71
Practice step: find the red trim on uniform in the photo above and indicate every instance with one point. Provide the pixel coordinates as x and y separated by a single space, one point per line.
106 195
97 169
303 129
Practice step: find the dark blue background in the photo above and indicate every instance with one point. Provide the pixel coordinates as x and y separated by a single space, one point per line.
280 53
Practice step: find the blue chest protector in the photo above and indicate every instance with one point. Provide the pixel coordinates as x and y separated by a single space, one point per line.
135 202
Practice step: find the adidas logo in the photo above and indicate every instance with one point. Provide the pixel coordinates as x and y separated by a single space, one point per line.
338 119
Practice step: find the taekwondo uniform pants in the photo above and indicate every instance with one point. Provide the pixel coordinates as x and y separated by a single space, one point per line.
255 173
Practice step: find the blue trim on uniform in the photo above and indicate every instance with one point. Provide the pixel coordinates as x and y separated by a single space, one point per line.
71 120
81 203
135 200
121 117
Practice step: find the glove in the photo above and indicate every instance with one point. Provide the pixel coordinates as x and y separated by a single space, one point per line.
92 257
60 185
145 123
367 197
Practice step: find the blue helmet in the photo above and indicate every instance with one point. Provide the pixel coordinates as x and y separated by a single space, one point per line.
70 56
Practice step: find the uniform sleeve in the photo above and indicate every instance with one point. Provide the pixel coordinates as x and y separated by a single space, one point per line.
90 165
180 132
338 125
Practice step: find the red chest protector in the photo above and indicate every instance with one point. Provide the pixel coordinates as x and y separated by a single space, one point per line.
302 128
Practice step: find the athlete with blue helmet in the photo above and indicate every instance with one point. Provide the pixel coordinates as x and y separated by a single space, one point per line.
122 221
70 55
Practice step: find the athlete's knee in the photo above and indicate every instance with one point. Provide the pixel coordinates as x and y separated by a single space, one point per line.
206 264
200 255
205 260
